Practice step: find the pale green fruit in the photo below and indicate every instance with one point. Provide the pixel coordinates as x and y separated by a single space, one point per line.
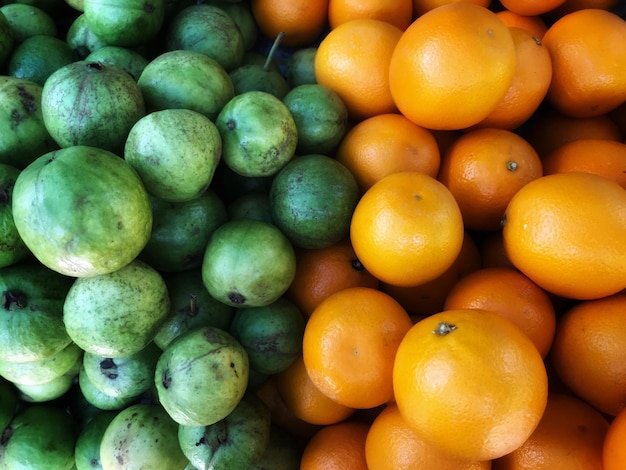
51 390
96 398
87 451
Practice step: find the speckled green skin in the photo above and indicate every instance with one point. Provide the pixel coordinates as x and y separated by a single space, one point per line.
232 443
116 314
82 211
44 370
12 248
98 399
128 59
90 103
142 436
39 437
201 376
31 312
28 20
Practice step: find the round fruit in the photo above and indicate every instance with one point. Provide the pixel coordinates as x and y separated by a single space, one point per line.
12 248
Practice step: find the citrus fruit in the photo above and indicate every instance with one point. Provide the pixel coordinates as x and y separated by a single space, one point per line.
545 238
385 144
407 229
349 344
531 7
613 455
337 446
353 60
535 25
398 13
470 382
422 6
424 76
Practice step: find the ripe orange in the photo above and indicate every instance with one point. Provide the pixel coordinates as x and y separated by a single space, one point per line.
429 298
588 62
422 6
322 272
613 450
353 61
470 382
337 447
452 66
588 352
602 157
550 129
531 7
531 81
349 344
305 400
567 232
535 25
483 169
569 437
399 12
386 144
407 229
393 444
302 21
511 294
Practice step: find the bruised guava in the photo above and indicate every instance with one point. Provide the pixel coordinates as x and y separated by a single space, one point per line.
82 211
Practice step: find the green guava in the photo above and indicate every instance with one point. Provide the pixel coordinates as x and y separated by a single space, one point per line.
127 59
50 390
255 206
300 67
201 376
142 436
87 451
116 314
82 211
28 20
98 399
237 441
81 38
248 263
12 248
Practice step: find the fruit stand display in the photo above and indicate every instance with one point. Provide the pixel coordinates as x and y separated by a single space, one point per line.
289 234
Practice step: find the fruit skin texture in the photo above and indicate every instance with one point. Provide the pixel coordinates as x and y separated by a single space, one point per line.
338 446
82 211
477 392
424 75
567 233
613 451
407 229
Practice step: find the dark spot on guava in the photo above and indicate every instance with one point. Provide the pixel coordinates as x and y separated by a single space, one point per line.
94 463
51 159
120 225
13 298
231 125
6 435
120 459
109 368
148 7
94 66
166 379
4 196
16 119
27 100
236 298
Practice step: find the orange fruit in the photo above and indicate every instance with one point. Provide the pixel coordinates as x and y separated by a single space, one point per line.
511 294
392 443
470 382
399 12
602 157
305 400
338 446
349 344
588 62
588 352
302 21
531 7
550 129
452 66
353 61
429 298
569 437
324 271
535 25
386 144
567 232
407 229
422 6
483 169
613 449
531 81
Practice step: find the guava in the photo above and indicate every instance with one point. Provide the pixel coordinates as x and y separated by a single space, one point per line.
175 152
241 13
181 231
24 134
12 248
142 436
312 200
271 335
28 20
201 376
255 206
82 211
300 67
237 441
31 312
81 38
191 306
98 399
40 436
125 22
127 59
90 103
50 390
248 263
124 377
116 314
87 451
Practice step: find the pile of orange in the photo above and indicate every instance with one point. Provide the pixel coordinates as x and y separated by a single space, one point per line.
476 316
